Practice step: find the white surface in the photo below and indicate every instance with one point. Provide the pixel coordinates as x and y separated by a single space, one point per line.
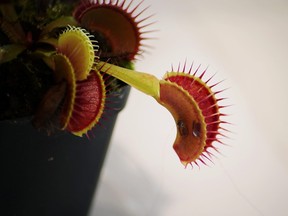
246 43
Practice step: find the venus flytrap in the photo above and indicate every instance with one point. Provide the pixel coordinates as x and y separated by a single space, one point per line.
72 57
191 102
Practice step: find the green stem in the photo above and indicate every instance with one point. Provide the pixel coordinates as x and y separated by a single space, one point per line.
144 82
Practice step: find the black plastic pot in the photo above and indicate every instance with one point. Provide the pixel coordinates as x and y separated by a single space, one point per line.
52 175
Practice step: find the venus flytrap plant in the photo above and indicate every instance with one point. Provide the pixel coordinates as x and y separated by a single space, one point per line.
101 41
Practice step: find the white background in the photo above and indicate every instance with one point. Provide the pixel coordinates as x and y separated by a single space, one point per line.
246 44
